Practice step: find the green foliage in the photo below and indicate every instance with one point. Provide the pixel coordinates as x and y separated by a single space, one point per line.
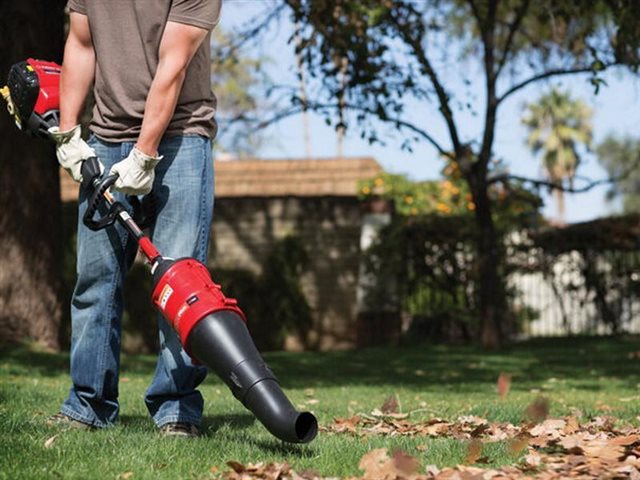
621 158
515 205
433 260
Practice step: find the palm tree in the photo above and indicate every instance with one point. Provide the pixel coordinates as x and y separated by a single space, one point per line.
558 126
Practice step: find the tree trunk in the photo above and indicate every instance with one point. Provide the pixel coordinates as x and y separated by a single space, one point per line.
30 212
491 291
559 194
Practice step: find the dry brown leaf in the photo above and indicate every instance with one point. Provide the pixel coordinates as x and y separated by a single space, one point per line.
306 474
572 426
474 451
49 442
341 425
625 441
517 444
603 450
503 384
236 466
533 460
432 470
376 465
538 410
404 463
390 405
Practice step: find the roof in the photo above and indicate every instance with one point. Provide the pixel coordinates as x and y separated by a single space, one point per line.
289 177
277 177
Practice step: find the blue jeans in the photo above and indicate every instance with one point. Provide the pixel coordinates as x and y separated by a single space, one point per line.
183 190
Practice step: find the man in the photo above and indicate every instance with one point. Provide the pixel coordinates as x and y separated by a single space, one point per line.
148 64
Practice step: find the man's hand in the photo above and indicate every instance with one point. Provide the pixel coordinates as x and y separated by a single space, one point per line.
71 150
135 173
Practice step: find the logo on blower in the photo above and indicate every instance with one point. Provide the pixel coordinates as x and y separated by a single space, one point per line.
165 295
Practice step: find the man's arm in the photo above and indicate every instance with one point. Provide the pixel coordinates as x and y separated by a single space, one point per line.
178 45
78 71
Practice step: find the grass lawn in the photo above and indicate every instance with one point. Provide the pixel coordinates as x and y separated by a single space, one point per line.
583 376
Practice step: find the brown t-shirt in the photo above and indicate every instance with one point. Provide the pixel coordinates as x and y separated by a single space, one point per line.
126 37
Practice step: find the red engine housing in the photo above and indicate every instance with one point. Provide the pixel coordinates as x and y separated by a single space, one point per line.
34 95
185 294
49 81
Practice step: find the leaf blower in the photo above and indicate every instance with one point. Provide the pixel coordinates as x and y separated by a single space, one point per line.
212 328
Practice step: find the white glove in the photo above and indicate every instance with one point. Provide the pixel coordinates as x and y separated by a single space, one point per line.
71 150
135 173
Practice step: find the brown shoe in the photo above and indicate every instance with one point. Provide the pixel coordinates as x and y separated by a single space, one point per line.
179 429
62 420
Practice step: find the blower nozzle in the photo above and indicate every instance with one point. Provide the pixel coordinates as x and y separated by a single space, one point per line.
212 329
221 341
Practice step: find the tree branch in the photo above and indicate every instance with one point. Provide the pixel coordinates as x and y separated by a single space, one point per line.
443 97
243 36
513 29
505 178
320 107
547 74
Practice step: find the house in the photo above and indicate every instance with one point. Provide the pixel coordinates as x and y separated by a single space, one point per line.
260 202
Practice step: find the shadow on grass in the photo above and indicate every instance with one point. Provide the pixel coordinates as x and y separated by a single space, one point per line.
581 359
235 426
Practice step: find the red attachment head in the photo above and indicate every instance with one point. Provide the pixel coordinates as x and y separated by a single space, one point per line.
185 293
48 74
34 95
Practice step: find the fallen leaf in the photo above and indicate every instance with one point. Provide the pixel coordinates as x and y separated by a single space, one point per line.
503 385
533 459
625 441
376 465
404 463
390 405
603 450
474 451
432 470
517 444
125 475
538 410
573 425
49 442
236 466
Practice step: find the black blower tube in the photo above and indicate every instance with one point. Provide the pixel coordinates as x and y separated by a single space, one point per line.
222 342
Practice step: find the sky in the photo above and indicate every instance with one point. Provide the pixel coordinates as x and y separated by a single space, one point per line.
615 111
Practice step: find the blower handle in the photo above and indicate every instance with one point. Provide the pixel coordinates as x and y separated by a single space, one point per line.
99 192
99 188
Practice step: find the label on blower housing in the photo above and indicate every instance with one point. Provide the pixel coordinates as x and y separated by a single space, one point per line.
165 295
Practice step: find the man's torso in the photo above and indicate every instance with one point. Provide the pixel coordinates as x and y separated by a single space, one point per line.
126 37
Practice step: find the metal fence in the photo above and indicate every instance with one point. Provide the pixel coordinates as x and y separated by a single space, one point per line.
580 279
582 289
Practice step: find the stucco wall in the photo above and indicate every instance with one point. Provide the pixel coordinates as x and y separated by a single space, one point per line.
245 229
